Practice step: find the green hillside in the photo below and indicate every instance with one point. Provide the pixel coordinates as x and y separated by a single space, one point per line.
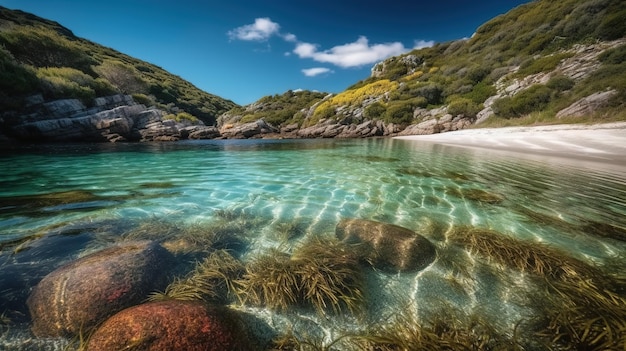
38 56
538 44
530 39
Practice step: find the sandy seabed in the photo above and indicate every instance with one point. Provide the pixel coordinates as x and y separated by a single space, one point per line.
601 143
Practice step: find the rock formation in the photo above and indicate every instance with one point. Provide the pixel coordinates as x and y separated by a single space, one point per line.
83 293
170 325
386 246
113 118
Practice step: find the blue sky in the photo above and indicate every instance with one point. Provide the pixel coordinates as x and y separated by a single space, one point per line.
243 50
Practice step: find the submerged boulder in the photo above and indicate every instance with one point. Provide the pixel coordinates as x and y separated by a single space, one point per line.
387 247
170 325
83 293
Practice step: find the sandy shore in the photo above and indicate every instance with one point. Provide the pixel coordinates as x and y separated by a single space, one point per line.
605 143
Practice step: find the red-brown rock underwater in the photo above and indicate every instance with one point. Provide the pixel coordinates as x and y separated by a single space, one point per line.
83 293
170 325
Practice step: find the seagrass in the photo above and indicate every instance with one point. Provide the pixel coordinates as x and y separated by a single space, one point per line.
321 273
580 307
210 281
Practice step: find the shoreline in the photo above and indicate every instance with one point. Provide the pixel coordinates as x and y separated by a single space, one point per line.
604 143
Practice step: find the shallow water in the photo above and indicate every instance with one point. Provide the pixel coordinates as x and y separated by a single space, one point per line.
311 184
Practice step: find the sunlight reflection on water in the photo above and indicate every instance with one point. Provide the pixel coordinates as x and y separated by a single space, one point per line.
313 184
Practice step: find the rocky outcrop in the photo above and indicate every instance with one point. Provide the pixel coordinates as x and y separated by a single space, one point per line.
386 246
587 105
83 293
247 130
113 118
445 123
170 325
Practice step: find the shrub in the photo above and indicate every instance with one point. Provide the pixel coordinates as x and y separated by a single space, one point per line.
532 99
401 112
463 106
542 64
65 82
481 92
15 78
614 56
182 117
375 110
613 26
560 83
143 99
431 92
123 76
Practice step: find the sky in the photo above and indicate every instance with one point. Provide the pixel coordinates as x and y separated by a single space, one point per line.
243 50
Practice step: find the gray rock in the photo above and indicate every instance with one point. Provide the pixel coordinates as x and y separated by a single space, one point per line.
587 105
248 130
203 132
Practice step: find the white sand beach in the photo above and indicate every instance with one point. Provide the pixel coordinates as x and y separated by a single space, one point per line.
604 143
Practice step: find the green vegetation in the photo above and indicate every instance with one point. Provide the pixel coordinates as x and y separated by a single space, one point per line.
181 117
280 110
586 309
532 99
38 56
323 274
210 281
530 39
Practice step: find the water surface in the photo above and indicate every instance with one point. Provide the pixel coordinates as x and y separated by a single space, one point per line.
57 200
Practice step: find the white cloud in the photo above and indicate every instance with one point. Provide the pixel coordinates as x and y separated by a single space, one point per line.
260 30
315 71
353 54
290 37
420 44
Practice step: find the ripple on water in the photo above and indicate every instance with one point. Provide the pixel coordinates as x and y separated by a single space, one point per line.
278 194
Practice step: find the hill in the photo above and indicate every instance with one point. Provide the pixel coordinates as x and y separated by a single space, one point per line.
42 61
544 62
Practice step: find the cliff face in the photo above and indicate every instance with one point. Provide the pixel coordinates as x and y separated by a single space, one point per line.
56 86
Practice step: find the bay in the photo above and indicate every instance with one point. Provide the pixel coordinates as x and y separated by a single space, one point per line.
58 202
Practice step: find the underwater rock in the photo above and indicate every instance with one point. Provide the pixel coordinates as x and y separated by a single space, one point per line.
386 246
83 293
170 325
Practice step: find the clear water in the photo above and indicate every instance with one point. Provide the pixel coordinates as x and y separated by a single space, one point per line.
314 183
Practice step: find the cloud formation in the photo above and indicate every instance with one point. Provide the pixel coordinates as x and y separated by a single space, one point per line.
354 54
261 29
420 44
315 71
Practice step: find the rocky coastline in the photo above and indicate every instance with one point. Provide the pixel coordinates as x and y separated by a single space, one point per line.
118 118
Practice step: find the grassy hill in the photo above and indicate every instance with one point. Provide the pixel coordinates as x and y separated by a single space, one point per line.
542 47
38 56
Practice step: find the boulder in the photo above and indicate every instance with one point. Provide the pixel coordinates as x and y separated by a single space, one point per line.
204 132
83 293
248 130
387 247
587 105
170 325
430 126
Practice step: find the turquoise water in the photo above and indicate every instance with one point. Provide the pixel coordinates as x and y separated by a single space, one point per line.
313 184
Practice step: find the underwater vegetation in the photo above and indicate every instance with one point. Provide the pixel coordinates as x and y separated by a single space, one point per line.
604 230
447 330
286 231
210 281
580 307
320 273
444 331
228 230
